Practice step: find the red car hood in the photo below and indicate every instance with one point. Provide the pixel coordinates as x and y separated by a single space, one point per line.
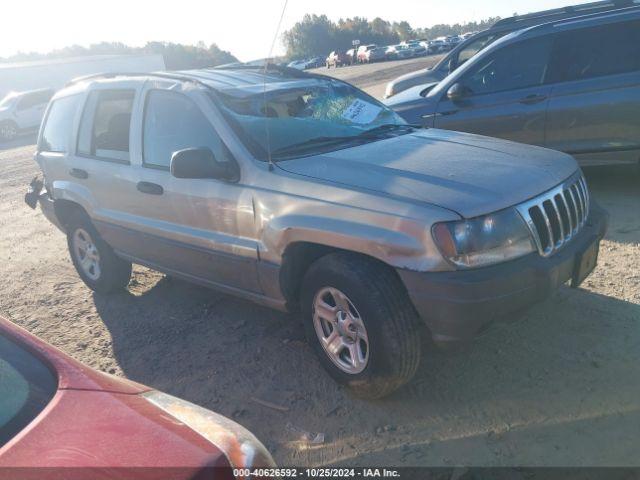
71 373
100 427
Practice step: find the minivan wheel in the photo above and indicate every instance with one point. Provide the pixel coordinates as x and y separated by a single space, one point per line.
361 323
95 261
8 130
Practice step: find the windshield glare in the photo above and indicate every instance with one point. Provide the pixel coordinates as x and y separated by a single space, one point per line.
313 116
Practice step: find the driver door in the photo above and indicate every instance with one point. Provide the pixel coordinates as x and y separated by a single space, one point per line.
505 95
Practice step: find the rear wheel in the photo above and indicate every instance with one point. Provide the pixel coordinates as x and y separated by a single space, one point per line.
8 130
361 323
95 261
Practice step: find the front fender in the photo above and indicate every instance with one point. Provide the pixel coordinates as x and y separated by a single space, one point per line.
403 244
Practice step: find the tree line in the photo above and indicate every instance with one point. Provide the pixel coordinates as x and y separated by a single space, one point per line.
317 35
176 56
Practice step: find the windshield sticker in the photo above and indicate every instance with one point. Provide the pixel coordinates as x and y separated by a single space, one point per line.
361 112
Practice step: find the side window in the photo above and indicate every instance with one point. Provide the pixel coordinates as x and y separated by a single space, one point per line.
173 122
474 47
106 121
596 52
27 101
58 124
518 65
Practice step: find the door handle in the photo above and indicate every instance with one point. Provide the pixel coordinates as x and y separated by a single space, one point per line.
533 99
79 173
150 188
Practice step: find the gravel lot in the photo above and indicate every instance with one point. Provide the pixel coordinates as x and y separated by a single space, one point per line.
559 387
373 77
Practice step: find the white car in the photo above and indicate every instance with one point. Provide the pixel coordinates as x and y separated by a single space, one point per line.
298 64
22 111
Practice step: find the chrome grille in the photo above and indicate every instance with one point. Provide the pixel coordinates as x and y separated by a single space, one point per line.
556 216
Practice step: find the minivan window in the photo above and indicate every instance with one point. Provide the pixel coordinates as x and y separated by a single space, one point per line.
106 121
26 387
58 124
472 48
512 67
174 122
596 52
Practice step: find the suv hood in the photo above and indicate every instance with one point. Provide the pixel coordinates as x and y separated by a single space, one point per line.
414 79
468 174
412 106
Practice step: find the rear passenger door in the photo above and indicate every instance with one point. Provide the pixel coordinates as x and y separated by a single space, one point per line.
101 167
594 110
506 95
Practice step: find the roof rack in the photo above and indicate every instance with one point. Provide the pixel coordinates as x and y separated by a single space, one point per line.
583 9
293 72
165 75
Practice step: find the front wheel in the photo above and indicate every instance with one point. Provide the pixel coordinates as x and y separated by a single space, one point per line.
95 261
361 323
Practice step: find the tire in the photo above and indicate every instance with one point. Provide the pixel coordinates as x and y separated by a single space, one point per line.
107 273
375 299
8 130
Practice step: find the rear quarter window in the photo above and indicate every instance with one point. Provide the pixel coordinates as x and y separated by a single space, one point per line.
26 387
56 132
595 52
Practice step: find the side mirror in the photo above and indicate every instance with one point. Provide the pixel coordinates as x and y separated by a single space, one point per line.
200 162
457 92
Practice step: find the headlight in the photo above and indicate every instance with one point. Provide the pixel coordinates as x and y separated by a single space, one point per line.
485 240
240 446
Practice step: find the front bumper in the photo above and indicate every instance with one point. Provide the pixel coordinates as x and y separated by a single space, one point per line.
458 305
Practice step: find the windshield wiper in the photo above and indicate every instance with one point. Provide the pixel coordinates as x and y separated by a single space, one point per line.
386 128
312 142
327 141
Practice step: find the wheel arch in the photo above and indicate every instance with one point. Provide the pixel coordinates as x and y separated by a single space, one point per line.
298 258
66 210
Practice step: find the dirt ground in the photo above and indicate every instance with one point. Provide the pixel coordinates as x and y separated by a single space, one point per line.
561 387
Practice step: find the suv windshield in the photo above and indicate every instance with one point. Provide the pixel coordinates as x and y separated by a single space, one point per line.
306 117
26 387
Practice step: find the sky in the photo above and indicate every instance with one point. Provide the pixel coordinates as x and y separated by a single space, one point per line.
246 28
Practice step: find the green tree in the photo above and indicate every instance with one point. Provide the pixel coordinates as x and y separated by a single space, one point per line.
404 30
314 35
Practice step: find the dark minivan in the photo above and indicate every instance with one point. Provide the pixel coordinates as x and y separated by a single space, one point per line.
470 47
571 85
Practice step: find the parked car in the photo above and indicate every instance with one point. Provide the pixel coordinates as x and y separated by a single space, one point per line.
571 85
21 112
337 58
416 49
370 53
352 56
61 419
314 62
298 64
453 41
470 47
312 197
398 52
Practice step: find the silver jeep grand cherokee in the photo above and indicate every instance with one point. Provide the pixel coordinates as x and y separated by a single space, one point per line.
303 193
